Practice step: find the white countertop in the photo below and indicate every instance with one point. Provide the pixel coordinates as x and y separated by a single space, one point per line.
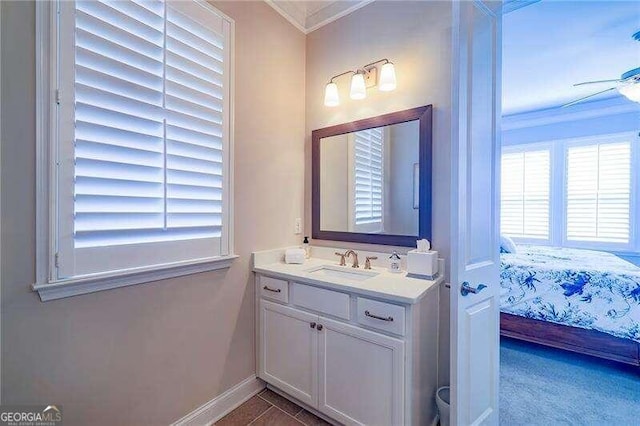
385 285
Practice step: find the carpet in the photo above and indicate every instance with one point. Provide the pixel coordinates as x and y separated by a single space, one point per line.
546 386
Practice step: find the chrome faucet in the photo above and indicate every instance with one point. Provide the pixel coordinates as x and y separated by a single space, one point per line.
355 258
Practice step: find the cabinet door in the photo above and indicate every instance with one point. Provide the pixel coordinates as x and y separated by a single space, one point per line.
288 350
361 375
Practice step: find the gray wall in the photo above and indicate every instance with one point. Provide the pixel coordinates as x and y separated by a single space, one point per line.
416 36
334 183
150 353
404 152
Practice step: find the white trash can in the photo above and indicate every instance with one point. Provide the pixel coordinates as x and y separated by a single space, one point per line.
443 400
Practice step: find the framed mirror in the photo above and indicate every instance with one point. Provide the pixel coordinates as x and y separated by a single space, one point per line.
371 179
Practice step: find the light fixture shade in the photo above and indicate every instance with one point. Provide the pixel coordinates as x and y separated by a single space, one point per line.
387 78
631 91
358 87
331 97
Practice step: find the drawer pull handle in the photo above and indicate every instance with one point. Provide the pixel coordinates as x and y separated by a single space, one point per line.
370 315
320 327
312 324
277 290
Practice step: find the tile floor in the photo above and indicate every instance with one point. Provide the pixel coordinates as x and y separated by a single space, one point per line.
269 408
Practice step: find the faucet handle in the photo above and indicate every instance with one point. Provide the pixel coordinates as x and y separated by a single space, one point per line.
342 259
367 262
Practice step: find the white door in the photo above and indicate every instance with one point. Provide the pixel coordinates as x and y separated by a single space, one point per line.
289 350
361 375
475 216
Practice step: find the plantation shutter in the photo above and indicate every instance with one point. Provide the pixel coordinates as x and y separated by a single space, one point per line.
525 191
194 102
598 192
119 114
369 177
149 108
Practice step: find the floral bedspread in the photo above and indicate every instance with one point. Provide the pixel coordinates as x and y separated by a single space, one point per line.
579 288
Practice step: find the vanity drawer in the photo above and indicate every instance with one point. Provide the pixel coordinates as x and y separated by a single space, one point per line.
274 289
320 300
380 315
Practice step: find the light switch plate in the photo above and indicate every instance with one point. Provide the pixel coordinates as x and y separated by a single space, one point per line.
298 226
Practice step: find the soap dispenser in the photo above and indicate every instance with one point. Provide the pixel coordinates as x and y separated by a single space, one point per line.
306 247
394 263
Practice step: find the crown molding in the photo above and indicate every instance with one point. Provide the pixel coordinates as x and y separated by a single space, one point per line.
331 13
286 14
586 110
307 22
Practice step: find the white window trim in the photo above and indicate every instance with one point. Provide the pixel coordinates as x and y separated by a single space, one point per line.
557 230
46 285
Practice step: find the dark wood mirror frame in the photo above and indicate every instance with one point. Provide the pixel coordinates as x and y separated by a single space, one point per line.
424 115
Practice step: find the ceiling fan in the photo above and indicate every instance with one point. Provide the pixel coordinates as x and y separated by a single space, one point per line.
628 84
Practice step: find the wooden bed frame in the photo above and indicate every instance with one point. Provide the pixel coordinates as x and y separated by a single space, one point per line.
580 340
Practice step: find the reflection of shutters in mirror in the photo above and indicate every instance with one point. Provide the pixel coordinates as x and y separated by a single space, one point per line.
369 180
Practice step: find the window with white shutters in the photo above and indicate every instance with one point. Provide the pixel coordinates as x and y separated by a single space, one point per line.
368 180
525 193
598 190
143 134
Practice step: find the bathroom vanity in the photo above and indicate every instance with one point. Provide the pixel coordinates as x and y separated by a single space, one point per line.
358 346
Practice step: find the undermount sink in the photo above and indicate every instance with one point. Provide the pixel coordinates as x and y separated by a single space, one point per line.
342 272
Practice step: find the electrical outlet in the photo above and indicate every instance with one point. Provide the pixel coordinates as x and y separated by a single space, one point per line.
298 226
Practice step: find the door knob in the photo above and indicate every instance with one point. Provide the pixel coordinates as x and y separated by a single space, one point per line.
319 327
312 324
466 289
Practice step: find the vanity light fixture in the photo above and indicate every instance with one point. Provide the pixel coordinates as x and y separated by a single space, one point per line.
387 78
331 97
362 79
358 86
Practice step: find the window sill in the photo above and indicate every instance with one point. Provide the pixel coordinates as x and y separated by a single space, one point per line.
99 282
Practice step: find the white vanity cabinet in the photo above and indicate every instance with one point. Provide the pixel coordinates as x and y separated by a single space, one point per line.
361 375
357 359
288 353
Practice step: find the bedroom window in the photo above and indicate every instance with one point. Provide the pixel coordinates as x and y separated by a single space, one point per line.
598 192
525 193
140 136
368 180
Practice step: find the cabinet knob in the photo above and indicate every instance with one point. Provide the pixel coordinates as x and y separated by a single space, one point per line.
320 327
312 324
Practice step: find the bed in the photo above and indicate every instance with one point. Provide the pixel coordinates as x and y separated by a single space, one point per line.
581 300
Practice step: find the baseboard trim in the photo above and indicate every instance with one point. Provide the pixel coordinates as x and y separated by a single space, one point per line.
212 411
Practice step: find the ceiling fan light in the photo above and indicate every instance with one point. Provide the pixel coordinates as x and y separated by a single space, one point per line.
631 91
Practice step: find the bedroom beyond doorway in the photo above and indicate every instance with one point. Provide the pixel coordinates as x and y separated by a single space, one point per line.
570 214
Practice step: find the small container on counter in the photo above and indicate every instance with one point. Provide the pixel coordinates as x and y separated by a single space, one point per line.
394 263
306 247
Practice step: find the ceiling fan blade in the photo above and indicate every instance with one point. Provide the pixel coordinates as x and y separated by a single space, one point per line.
597 81
587 97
